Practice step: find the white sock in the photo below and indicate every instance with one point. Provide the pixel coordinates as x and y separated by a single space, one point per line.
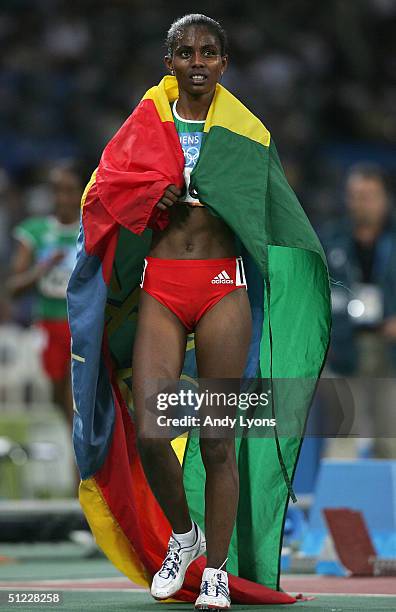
186 539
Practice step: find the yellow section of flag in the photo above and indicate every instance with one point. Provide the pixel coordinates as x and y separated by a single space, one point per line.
109 535
225 111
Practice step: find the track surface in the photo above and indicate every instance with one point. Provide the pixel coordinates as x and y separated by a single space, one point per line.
94 584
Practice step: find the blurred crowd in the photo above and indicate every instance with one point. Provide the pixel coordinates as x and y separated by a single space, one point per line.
320 75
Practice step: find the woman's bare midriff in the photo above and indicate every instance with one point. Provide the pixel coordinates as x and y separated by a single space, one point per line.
193 233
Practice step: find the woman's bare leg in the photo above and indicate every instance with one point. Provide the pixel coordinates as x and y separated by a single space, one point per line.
159 351
222 340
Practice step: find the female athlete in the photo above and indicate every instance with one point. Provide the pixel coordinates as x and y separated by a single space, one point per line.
193 281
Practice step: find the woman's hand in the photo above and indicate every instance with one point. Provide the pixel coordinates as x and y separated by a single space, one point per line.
170 197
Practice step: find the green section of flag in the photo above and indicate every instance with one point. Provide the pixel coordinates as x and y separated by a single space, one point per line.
243 182
231 179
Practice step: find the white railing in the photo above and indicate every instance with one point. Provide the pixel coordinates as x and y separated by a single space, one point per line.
22 379
36 456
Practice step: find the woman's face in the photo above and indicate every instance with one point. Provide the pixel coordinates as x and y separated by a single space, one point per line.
67 191
197 62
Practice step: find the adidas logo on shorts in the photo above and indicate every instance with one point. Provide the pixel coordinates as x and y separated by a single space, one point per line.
222 279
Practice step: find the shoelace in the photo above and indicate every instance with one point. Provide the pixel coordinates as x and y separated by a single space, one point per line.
172 561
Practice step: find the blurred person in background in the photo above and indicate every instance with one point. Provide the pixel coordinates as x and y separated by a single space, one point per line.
361 251
43 261
11 212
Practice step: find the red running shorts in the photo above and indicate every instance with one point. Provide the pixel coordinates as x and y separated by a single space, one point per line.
190 287
56 351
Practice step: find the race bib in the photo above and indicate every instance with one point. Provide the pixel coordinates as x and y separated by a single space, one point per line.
191 145
54 283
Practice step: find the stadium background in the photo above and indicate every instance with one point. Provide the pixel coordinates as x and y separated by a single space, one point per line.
320 75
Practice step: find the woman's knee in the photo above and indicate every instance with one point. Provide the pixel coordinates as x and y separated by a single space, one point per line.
217 451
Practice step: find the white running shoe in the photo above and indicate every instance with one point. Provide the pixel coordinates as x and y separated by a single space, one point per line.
214 593
169 579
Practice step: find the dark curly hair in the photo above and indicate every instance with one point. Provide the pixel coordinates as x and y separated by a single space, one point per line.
179 26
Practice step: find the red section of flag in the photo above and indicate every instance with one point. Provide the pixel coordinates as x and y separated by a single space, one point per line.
100 232
136 167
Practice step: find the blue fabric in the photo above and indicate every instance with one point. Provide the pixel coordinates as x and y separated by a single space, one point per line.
255 284
87 295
